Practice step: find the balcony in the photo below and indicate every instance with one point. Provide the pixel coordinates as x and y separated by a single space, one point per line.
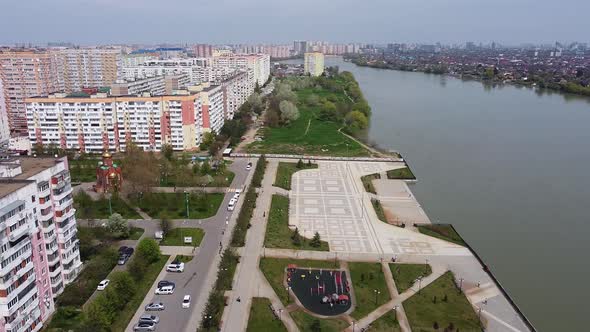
19 232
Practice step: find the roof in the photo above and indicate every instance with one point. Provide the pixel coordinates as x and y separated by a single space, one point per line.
32 166
8 186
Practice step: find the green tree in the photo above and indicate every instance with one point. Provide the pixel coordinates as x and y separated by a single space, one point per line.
208 139
123 285
149 250
98 316
38 149
300 164
316 241
205 168
164 223
289 111
196 168
312 100
167 151
296 237
118 225
356 121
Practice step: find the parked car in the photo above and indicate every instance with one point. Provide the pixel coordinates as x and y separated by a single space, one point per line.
149 319
249 166
163 283
165 290
236 196
175 267
122 249
231 205
186 302
128 251
144 327
103 284
155 306
123 259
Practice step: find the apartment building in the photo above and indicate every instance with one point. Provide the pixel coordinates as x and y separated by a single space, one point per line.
101 122
236 90
24 73
86 67
176 82
313 63
154 85
199 70
38 244
258 63
4 128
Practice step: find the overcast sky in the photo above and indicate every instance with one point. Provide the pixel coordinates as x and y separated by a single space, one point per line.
281 21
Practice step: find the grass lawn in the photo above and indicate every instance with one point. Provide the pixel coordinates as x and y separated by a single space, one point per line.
262 318
387 322
443 232
201 205
175 237
366 278
423 312
405 274
183 258
274 271
401 174
135 233
367 182
379 209
278 234
308 135
286 170
221 179
143 286
87 208
305 322
65 319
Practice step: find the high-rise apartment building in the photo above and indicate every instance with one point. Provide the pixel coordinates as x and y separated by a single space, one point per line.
153 85
86 67
4 128
38 244
258 63
202 50
299 47
236 90
313 63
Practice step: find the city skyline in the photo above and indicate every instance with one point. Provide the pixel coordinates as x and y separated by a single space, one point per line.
503 21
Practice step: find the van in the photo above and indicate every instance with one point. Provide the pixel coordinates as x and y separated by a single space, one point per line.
231 204
165 290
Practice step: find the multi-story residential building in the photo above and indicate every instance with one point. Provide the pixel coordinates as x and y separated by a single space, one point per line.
4 128
101 122
202 50
176 82
38 244
193 67
258 63
299 47
86 67
137 59
236 90
24 73
313 63
154 85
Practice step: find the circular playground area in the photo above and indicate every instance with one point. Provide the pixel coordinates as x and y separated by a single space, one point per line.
323 292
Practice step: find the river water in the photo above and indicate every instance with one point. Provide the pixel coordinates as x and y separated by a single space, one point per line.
509 167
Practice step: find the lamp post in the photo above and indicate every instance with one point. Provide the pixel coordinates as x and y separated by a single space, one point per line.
377 292
110 205
187 207
460 285
280 313
420 284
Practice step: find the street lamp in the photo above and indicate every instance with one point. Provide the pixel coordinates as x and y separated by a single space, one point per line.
460 285
187 207
420 283
377 292
110 205
280 313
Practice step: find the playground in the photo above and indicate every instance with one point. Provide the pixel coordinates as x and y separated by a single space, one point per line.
323 292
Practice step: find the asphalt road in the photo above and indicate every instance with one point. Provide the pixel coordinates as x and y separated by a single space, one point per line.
191 281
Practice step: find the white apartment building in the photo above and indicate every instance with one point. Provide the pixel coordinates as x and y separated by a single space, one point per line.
38 243
101 122
85 67
236 90
154 85
313 63
258 63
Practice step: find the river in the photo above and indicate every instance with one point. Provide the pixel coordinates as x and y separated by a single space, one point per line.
509 167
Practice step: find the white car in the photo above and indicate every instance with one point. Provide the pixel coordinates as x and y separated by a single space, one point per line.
249 166
186 302
236 196
231 205
165 290
175 267
155 306
103 284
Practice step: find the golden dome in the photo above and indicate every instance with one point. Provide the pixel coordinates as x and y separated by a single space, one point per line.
112 175
106 154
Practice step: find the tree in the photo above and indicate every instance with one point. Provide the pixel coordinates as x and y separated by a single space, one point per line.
215 147
356 121
167 151
272 118
257 88
255 102
38 149
289 111
205 168
141 169
196 168
283 91
117 224
312 100
300 164
328 112
121 288
97 316
164 223
208 139
315 241
488 73
149 250
296 237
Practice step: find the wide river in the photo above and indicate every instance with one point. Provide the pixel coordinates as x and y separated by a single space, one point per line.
509 168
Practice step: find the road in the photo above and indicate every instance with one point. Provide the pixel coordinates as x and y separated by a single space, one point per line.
196 279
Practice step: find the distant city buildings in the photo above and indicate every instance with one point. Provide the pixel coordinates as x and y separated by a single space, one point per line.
313 63
38 242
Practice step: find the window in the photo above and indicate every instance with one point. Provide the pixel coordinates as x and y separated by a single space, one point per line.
33 198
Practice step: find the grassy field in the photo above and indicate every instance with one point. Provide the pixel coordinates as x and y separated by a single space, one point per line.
174 205
278 234
219 179
450 307
135 233
143 286
366 278
307 135
379 209
183 258
443 232
274 271
285 172
262 318
175 237
405 274
367 182
401 174
306 322
387 322
87 208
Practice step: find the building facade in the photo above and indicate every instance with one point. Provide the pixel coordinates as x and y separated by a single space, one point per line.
38 242
236 90
313 63
258 63
153 85
86 67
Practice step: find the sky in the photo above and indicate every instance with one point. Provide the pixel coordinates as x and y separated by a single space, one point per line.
90 22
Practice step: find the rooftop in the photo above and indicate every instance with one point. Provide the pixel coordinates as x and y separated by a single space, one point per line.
32 165
8 186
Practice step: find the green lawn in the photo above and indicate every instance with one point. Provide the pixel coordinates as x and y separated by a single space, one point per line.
385 323
443 232
379 209
262 318
305 322
143 286
183 258
87 208
274 271
367 182
135 233
201 205
66 318
278 234
285 172
219 179
423 312
366 278
175 237
405 274
401 174
308 135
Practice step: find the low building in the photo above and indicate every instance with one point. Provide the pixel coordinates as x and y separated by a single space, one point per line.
109 177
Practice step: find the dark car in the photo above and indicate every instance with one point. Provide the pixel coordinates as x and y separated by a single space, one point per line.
128 251
122 249
163 283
